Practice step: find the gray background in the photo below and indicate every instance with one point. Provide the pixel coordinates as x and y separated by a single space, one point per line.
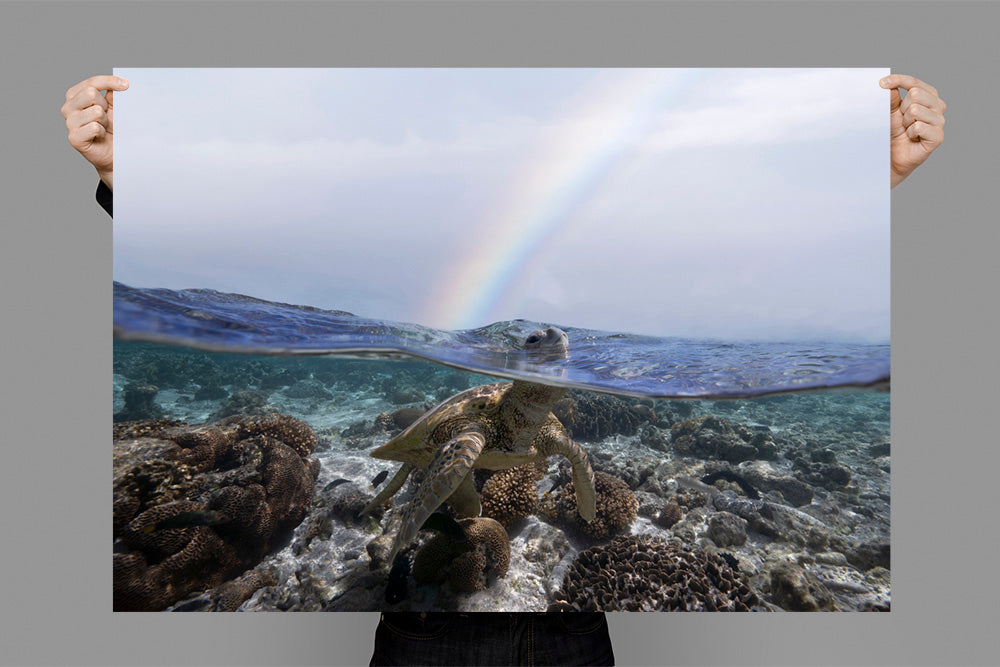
55 474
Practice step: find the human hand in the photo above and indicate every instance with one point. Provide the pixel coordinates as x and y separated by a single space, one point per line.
90 121
916 124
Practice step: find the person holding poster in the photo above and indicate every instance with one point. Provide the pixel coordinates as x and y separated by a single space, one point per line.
402 638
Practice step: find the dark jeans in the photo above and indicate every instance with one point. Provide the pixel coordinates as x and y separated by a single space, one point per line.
558 638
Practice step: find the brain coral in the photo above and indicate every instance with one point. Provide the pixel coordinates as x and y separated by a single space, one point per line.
238 487
512 494
466 564
617 507
642 573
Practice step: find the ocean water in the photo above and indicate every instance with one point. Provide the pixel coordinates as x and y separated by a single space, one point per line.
797 432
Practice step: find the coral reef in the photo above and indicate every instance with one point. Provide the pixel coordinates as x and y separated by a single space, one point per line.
289 430
711 437
589 416
668 515
641 573
139 403
617 507
246 402
399 419
230 595
467 565
512 494
143 428
796 589
817 538
206 503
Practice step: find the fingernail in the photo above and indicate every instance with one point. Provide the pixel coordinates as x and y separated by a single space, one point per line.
884 82
123 82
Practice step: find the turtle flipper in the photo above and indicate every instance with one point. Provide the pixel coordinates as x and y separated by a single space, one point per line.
390 489
465 499
452 464
554 440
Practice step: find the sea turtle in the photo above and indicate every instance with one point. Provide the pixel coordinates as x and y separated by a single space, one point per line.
493 426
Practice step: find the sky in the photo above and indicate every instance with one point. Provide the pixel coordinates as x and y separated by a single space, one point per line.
722 203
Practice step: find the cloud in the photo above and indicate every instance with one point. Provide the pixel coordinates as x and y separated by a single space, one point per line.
774 108
359 189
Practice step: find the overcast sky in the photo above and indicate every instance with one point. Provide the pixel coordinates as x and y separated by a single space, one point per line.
732 203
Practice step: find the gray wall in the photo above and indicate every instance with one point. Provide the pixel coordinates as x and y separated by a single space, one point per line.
56 261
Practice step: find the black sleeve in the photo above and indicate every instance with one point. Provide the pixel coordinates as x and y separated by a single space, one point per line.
105 198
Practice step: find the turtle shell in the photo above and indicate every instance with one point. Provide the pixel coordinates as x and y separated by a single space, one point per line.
418 443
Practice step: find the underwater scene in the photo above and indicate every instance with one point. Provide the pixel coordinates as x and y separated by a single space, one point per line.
270 457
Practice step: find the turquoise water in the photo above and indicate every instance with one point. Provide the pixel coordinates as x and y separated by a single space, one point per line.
806 423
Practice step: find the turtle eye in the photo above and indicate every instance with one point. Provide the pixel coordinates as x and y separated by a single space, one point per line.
532 339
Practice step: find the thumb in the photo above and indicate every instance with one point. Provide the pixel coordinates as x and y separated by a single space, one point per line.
116 83
895 100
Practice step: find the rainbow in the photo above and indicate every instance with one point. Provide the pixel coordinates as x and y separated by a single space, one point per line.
565 172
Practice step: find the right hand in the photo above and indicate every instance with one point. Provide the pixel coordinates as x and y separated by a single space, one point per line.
90 121
916 124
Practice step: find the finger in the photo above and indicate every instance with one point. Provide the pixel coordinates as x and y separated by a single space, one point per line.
916 112
918 95
88 115
920 131
86 97
905 82
100 82
80 138
894 100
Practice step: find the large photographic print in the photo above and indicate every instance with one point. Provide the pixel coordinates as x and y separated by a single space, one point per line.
501 340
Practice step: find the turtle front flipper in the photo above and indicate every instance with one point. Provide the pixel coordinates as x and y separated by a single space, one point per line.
451 466
465 499
390 489
554 440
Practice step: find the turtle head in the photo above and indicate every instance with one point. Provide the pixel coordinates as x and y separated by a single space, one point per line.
549 344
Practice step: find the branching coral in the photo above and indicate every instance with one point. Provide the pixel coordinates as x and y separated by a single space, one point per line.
512 494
